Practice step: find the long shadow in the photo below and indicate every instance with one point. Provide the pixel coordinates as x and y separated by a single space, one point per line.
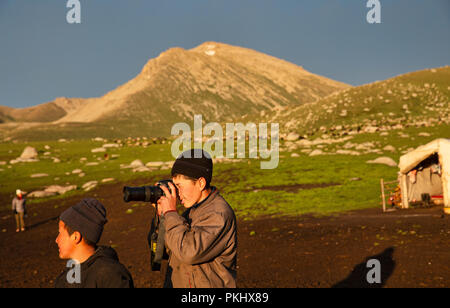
358 277
41 222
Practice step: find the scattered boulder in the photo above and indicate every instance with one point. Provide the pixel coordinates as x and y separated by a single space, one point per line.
316 152
355 179
424 134
304 143
136 164
389 148
60 190
142 169
38 175
98 150
292 137
156 164
371 129
347 152
384 160
40 194
29 153
111 145
89 185
94 163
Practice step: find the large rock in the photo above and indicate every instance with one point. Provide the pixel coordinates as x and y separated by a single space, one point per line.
89 185
304 143
137 163
347 152
316 152
389 148
29 153
94 163
38 175
111 145
142 169
384 161
292 137
156 164
40 194
98 150
60 189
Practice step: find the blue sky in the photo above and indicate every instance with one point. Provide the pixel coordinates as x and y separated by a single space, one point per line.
43 57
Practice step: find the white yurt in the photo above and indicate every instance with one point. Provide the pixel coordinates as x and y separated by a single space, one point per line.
426 170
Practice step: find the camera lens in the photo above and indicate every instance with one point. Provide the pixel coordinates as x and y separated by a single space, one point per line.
144 193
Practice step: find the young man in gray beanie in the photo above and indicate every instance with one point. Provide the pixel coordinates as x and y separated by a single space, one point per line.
80 229
202 242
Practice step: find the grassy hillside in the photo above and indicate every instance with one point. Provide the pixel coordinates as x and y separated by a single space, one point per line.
419 99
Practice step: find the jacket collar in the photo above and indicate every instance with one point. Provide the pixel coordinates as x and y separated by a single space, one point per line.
207 199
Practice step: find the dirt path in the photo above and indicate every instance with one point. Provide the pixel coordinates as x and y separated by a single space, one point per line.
412 246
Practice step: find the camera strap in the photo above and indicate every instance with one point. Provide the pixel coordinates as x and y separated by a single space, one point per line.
156 241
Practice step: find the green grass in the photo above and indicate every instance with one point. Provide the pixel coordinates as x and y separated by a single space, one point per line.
248 188
70 153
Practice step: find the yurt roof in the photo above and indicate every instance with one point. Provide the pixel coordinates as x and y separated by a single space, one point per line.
413 158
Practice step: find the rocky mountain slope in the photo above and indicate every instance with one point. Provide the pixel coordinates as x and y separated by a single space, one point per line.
219 81
417 99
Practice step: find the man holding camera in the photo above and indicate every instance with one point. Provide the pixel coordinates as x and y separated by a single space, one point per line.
202 242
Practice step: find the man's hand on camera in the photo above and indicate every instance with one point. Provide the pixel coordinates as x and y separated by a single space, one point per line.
167 203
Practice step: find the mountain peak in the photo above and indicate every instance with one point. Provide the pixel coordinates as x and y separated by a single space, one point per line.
221 81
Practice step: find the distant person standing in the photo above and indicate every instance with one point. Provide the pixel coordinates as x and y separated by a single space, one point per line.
19 209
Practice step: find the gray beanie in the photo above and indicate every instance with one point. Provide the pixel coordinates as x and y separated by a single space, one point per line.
86 217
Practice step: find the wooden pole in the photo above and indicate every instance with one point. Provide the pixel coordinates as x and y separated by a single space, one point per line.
382 195
404 188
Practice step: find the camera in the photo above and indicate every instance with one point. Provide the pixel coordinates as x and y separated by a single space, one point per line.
146 193
157 231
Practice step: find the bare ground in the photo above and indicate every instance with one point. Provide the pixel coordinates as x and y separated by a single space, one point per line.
306 251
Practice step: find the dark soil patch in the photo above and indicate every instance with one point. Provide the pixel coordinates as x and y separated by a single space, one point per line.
413 246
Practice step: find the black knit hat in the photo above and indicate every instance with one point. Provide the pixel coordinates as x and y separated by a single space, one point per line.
86 217
194 163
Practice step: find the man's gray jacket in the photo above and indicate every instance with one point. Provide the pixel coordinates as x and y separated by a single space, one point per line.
202 245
